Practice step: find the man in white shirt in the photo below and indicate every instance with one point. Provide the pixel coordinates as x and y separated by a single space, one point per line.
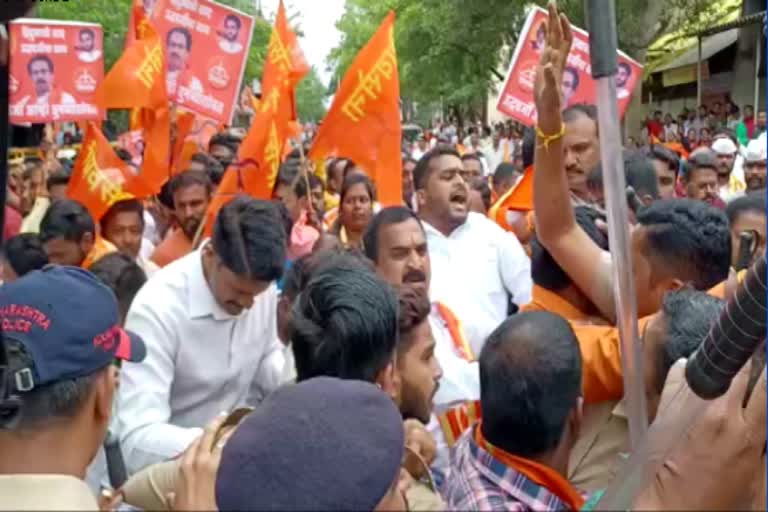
478 268
208 320
228 37
123 225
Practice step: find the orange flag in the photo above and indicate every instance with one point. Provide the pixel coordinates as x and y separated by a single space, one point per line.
287 56
183 149
261 151
519 197
364 121
100 178
137 81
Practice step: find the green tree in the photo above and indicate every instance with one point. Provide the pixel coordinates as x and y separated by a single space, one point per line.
310 97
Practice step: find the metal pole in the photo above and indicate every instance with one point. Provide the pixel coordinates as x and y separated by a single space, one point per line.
758 44
601 20
698 75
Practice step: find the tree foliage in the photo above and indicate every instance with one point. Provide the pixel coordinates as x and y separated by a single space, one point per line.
310 97
455 50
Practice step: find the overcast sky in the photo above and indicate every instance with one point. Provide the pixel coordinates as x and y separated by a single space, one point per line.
317 19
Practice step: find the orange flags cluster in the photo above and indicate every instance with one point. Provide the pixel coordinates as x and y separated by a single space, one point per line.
137 81
261 151
364 121
100 178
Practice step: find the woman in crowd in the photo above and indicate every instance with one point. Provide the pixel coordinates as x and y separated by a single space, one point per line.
356 210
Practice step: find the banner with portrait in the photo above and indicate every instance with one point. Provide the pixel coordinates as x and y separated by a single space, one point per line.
55 69
516 97
206 45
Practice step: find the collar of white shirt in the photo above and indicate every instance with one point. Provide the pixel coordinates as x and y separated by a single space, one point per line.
201 301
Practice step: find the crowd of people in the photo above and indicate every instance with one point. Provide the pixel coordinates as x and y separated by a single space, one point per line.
321 351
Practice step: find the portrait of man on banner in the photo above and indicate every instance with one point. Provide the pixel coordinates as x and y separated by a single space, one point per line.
228 38
178 45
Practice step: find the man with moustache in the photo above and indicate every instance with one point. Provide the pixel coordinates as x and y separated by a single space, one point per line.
754 165
397 243
191 192
479 269
701 178
41 72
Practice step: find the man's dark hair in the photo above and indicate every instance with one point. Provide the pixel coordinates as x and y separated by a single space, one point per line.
504 171
349 165
688 314
122 275
183 31
55 179
50 402
126 205
545 271
701 159
24 253
690 239
466 157
165 196
726 132
223 139
249 238
423 168
87 31
188 179
43 58
751 202
234 19
213 167
344 323
639 174
577 110
300 186
66 219
665 155
357 179
575 74
386 217
413 309
530 380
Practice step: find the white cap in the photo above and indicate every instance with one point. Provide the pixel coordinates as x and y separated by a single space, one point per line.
756 151
724 146
66 153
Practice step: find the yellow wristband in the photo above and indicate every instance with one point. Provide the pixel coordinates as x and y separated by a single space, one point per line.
546 140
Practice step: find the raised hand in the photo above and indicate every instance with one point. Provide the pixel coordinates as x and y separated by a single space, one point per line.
549 72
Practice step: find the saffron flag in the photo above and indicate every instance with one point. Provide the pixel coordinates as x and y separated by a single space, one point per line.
364 121
100 178
183 149
519 197
261 151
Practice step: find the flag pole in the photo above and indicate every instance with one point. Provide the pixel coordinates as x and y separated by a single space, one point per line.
603 46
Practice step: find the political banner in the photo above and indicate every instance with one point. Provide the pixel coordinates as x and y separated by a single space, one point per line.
55 69
206 47
516 97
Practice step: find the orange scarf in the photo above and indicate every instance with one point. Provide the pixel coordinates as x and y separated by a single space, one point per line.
537 473
456 331
101 247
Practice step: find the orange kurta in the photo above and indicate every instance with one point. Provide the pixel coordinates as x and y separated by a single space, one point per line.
101 247
545 300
